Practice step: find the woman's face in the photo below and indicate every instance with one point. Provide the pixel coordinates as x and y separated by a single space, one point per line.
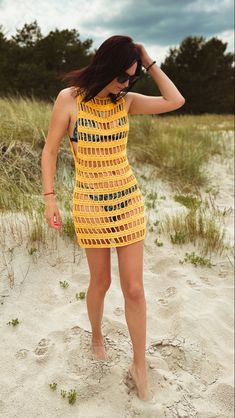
115 86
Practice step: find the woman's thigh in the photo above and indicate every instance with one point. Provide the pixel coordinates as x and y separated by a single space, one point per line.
130 263
99 262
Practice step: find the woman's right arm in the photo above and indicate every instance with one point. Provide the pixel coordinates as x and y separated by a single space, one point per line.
58 126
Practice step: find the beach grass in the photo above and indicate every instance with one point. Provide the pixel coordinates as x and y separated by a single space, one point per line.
178 147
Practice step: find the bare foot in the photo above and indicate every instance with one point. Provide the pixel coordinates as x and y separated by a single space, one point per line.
99 350
140 378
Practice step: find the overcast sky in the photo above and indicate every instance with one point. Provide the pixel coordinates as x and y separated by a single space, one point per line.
157 24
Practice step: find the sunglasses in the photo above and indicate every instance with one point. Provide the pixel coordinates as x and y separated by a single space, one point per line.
124 77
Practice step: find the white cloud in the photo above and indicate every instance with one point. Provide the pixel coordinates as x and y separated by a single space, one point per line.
209 6
99 19
227 36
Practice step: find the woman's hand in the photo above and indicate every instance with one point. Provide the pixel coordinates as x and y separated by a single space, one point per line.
52 214
146 60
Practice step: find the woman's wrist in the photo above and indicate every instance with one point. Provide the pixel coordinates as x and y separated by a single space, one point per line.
49 197
147 61
149 64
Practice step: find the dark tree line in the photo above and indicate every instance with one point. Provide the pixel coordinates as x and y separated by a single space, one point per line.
32 65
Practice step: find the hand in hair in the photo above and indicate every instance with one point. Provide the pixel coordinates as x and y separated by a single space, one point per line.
146 60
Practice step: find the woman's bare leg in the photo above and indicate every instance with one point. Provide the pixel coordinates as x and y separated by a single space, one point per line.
100 279
130 261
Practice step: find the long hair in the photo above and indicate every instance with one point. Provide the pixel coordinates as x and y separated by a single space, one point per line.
114 56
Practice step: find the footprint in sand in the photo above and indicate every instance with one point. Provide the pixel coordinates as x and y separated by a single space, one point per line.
195 285
43 349
169 292
163 387
223 273
205 280
74 331
187 356
22 353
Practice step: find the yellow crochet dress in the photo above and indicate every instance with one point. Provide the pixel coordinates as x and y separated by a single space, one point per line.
108 207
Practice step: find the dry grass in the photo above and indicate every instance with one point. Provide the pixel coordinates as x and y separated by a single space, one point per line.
178 146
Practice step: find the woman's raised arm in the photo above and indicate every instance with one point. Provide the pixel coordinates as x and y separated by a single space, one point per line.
171 98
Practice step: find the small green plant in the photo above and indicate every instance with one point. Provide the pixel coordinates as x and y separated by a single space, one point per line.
63 393
53 385
64 284
190 201
151 203
158 243
68 227
196 260
13 322
178 237
81 295
156 223
72 396
32 250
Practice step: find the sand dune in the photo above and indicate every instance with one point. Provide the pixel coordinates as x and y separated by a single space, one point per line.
189 331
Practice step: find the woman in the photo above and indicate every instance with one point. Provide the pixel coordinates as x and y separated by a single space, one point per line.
108 208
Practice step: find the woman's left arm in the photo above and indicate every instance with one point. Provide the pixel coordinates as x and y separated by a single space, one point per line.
171 98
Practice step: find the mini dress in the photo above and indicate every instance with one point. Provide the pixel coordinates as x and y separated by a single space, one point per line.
108 206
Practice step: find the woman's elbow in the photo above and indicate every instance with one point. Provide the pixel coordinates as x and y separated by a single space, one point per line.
180 102
49 150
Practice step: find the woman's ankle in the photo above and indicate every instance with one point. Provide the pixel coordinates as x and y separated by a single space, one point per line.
97 339
140 365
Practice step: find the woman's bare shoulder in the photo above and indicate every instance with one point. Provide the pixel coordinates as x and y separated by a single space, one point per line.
127 98
68 93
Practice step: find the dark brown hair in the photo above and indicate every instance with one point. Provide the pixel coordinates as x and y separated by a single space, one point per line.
115 55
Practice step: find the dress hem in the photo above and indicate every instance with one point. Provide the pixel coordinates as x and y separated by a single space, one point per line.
113 245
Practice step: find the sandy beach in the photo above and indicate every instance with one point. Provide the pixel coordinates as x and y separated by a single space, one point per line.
189 326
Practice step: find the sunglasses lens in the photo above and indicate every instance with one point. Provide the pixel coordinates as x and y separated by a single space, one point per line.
122 78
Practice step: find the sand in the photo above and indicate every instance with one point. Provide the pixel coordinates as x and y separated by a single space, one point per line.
189 327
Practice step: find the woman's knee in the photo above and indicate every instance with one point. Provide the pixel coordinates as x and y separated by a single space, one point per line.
134 292
101 283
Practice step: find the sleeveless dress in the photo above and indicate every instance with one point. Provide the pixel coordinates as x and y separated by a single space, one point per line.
108 207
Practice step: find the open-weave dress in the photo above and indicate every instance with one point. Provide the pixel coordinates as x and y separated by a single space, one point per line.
108 207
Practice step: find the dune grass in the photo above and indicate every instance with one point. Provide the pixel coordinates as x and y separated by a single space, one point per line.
177 146
200 227
180 146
